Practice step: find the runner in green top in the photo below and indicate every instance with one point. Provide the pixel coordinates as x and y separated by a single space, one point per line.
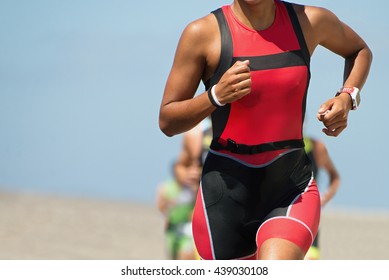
176 203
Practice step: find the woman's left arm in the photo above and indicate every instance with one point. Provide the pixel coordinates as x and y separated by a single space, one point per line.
327 30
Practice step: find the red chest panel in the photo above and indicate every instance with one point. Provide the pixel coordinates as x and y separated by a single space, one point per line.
275 108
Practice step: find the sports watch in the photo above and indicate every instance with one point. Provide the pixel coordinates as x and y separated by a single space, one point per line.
354 94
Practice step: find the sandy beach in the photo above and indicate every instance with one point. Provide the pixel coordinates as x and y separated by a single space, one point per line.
41 227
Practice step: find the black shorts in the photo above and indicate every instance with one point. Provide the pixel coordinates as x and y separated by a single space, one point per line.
238 207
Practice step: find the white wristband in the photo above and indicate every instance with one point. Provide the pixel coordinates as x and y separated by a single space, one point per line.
213 93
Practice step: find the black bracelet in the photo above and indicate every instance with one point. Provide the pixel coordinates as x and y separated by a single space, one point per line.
211 98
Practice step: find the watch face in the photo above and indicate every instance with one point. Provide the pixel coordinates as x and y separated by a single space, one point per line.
358 99
354 94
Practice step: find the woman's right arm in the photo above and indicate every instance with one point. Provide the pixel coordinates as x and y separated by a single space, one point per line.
179 111
197 57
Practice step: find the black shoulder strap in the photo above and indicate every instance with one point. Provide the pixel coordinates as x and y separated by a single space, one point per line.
299 32
225 60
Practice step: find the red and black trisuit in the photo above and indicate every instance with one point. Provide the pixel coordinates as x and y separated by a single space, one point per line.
257 181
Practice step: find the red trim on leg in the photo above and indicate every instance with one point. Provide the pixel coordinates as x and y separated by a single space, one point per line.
307 208
285 228
200 229
301 223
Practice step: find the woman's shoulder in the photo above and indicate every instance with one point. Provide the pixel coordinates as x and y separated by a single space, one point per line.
202 27
314 14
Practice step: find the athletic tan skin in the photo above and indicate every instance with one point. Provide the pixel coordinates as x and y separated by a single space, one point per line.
197 57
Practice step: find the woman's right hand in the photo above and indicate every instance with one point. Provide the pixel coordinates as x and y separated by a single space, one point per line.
235 83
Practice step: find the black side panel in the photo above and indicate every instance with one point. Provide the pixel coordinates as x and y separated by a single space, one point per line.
299 33
220 115
225 61
304 49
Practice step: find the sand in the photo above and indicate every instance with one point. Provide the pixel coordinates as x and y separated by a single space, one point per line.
37 227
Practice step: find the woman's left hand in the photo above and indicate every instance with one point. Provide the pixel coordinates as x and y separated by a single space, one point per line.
334 114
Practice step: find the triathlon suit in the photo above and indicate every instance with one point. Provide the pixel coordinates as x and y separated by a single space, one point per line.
257 181
206 139
179 218
313 252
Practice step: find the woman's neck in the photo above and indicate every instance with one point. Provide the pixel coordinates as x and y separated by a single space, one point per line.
255 14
